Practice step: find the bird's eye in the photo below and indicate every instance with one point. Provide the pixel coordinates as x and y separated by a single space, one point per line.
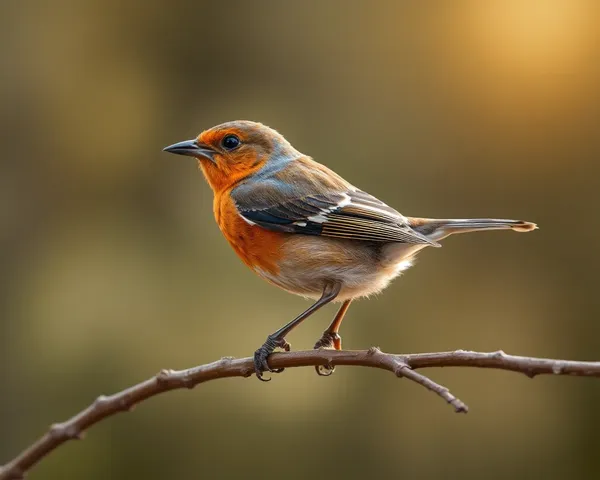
230 142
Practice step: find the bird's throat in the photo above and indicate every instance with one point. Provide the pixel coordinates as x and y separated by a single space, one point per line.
223 177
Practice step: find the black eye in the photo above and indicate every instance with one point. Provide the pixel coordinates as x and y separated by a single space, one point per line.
230 142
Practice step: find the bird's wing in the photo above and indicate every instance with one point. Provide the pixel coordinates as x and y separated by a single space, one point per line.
321 203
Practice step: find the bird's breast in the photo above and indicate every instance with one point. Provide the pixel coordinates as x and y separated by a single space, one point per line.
258 248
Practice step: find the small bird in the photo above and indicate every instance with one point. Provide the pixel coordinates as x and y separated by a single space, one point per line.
305 229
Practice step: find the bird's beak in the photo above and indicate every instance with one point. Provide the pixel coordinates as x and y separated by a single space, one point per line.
191 148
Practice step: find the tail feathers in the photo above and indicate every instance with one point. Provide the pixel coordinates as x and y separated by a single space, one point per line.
436 229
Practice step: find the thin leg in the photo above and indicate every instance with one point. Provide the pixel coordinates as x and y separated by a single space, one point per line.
331 338
277 339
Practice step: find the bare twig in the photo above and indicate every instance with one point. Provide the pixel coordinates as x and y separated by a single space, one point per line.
400 365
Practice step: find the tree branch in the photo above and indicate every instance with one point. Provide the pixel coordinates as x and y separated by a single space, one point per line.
400 365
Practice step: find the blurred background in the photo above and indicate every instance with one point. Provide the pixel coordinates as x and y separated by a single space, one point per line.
112 266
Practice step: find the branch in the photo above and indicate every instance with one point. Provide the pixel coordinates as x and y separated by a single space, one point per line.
400 365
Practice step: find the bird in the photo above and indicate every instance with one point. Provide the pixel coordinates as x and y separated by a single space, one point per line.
303 228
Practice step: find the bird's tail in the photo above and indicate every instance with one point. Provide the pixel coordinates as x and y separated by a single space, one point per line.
437 229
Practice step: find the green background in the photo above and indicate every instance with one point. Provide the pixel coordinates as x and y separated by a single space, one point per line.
112 266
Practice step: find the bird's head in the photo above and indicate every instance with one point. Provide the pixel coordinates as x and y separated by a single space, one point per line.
232 151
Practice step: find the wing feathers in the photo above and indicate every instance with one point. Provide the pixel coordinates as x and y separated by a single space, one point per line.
305 197
353 215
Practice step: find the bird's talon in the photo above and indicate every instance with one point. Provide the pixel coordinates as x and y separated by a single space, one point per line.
324 370
329 340
261 356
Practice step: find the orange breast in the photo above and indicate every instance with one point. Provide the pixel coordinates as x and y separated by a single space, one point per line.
256 246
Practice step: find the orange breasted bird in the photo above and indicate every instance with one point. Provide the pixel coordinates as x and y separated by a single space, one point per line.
305 229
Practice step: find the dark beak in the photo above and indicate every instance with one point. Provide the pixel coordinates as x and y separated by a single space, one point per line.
191 148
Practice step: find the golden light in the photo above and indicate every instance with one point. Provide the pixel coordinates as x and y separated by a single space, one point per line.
527 63
533 35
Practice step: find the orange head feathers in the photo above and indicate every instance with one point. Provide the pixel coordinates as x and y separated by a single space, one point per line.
230 152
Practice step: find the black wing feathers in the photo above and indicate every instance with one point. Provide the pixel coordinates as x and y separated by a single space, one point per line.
353 215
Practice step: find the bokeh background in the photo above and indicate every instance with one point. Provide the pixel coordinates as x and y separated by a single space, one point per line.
113 268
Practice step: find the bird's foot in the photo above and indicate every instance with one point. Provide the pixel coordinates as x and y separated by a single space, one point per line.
329 340
261 356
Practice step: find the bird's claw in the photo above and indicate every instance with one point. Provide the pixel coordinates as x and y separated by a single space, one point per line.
329 340
324 370
261 356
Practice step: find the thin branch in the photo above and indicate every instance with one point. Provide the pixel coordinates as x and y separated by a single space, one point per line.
400 365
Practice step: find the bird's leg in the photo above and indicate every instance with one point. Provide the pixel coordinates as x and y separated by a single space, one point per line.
331 338
277 339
